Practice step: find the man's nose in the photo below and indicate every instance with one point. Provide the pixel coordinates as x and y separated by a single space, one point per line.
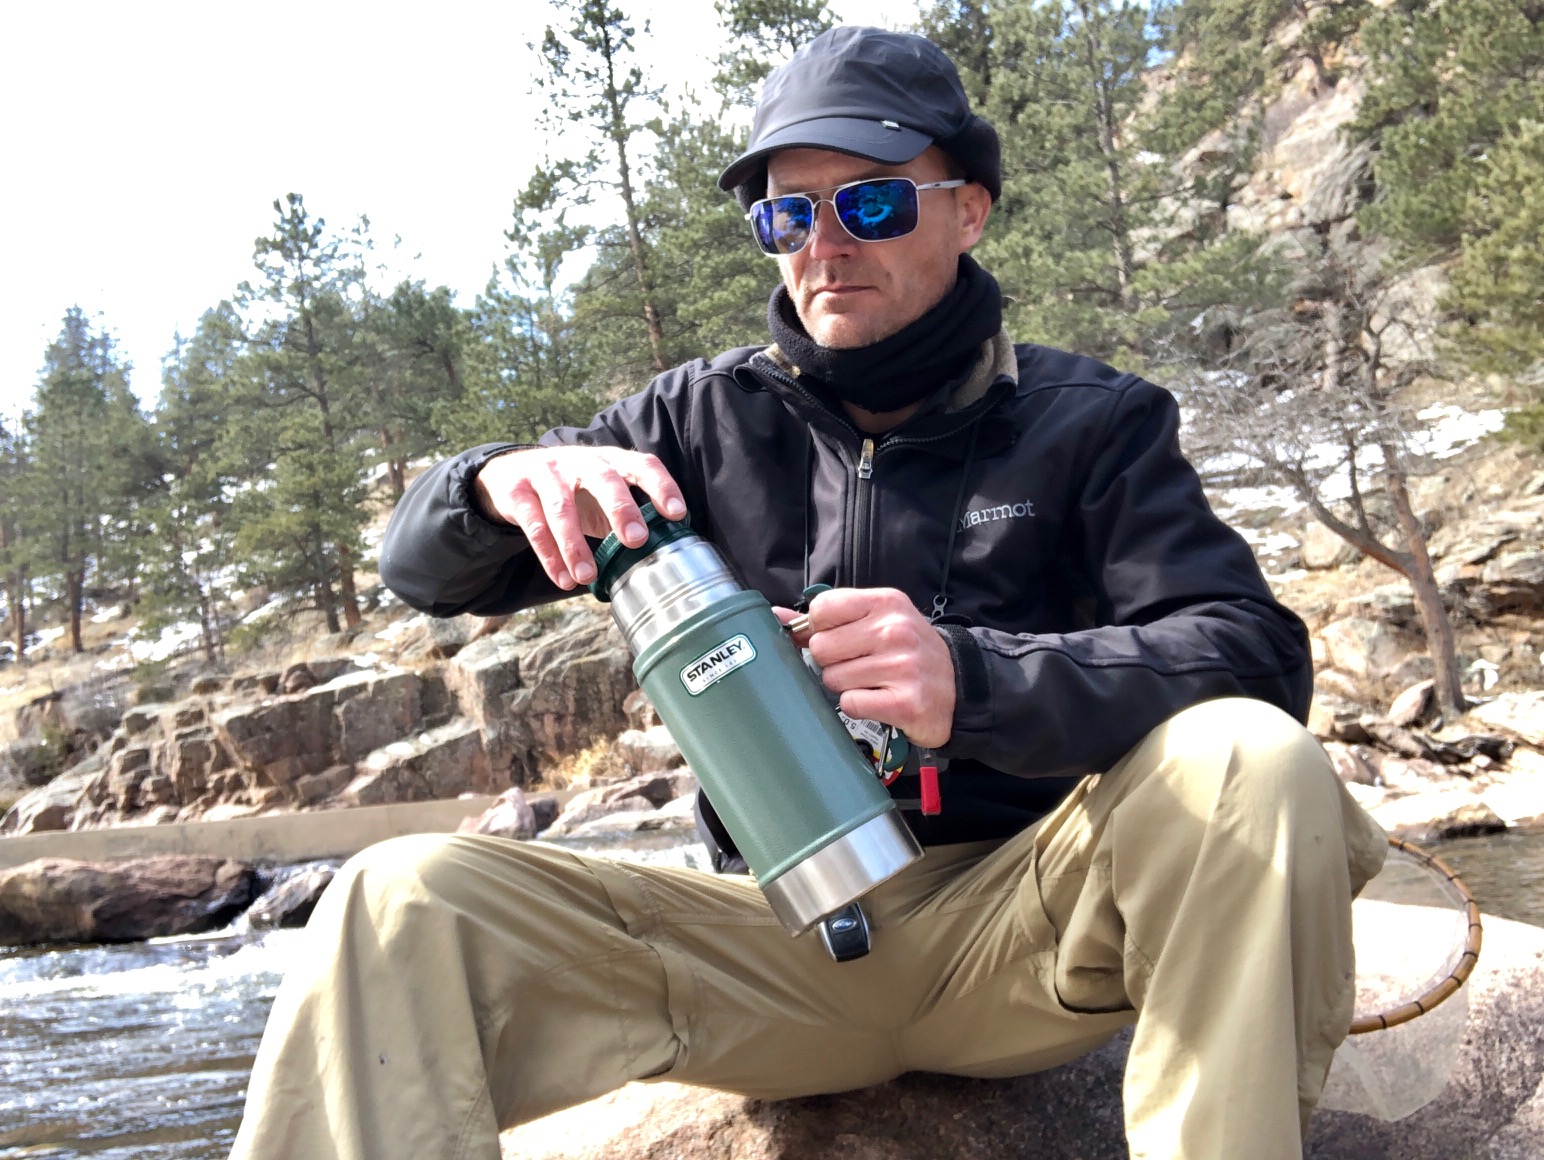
828 237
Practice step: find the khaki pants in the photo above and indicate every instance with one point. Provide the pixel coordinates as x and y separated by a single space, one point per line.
1201 888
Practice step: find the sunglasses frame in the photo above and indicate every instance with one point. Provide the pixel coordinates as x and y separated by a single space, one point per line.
816 202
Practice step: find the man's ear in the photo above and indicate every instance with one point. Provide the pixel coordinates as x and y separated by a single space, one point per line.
975 206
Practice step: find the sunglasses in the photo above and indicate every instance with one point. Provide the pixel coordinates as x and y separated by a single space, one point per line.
879 209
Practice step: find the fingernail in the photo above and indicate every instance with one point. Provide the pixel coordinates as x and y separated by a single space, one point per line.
585 573
675 509
634 531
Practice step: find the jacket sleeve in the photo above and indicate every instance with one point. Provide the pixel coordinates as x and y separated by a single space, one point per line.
443 556
1182 615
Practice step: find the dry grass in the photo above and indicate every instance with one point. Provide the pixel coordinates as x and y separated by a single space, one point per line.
581 770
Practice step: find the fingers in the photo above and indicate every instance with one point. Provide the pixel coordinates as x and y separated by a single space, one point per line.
558 496
884 660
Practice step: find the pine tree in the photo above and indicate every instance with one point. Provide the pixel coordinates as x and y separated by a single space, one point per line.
414 348
525 367
14 577
312 405
595 90
189 548
766 33
89 445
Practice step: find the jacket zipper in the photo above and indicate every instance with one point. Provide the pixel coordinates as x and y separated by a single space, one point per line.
863 514
858 557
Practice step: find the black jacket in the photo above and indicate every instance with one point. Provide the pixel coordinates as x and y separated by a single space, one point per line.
1091 592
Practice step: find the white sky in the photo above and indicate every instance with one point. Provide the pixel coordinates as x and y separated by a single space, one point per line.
143 145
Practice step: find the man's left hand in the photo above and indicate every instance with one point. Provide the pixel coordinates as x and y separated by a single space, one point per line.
884 659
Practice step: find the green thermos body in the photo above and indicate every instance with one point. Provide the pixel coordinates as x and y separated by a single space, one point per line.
814 823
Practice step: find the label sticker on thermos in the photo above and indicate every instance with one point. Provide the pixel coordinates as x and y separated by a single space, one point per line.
717 663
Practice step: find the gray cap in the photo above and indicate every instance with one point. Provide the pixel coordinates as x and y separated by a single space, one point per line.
884 96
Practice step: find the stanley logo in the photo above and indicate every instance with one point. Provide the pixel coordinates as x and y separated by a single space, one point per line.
717 663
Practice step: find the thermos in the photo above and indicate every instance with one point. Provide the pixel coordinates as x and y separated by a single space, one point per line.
814 823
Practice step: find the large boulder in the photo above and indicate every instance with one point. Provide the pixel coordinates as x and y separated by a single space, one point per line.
1363 647
53 806
510 816
431 766
60 900
1493 1106
541 699
291 898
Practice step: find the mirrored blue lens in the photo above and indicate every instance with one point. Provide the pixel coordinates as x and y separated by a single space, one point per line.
783 223
876 211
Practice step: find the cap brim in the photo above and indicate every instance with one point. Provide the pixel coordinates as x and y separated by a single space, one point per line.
860 138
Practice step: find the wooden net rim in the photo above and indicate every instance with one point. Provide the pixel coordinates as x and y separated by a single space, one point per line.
1461 971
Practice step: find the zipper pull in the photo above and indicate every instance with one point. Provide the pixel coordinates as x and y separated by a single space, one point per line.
932 800
866 460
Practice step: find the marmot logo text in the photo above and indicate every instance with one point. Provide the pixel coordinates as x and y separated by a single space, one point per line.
1005 511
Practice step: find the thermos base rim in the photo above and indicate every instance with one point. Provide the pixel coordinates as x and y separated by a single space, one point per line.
842 871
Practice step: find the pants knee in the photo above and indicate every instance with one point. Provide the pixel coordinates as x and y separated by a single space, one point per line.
1261 753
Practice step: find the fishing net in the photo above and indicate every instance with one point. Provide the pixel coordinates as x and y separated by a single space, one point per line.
1417 933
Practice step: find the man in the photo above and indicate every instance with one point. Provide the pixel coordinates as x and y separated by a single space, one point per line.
1027 580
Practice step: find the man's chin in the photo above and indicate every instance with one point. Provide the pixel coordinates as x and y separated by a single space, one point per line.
845 332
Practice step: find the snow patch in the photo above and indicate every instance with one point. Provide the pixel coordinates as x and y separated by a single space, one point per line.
174 639
107 614
397 627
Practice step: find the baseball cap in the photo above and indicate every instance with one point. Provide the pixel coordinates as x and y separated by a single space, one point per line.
880 95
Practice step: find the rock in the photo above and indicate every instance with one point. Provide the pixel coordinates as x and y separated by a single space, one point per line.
1332 682
1362 647
1437 814
450 635
383 708
643 795
639 711
647 750
1322 548
1398 741
1492 1107
290 901
1518 795
1414 706
256 683
316 787
59 900
567 694
433 766
1332 717
679 815
544 809
207 685
1519 714
586 808
51 806
1388 604
297 679
1352 764
190 758
510 816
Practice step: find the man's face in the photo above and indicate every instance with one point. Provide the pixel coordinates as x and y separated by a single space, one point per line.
849 293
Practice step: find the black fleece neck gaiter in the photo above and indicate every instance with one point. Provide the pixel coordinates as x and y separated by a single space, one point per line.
911 364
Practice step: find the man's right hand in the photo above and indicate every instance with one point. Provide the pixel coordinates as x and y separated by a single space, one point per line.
559 495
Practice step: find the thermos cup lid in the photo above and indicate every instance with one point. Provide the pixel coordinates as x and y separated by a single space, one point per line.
613 558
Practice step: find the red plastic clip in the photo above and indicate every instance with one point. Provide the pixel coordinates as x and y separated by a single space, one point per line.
932 801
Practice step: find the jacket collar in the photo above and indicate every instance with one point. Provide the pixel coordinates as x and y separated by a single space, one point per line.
941 426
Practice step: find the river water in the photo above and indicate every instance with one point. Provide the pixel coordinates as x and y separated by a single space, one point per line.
142 1051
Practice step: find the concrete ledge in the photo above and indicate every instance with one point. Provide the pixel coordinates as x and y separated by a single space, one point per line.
294 837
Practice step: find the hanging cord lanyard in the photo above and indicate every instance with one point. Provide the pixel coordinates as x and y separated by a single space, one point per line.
932 796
